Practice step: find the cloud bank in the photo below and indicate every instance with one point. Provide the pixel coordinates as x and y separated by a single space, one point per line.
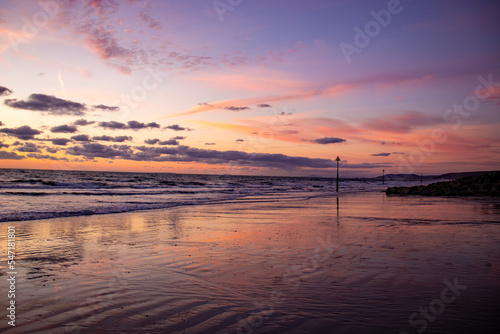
49 104
24 132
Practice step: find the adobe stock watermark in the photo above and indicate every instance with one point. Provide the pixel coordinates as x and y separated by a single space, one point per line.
263 138
455 116
31 26
372 29
266 135
223 6
292 278
436 307
139 93
89 309
126 103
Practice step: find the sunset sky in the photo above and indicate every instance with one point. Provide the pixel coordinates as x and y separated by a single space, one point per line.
264 87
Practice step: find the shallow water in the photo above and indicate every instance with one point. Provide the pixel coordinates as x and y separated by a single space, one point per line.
310 266
41 194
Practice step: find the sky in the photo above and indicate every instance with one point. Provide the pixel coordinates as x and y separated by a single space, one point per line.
260 87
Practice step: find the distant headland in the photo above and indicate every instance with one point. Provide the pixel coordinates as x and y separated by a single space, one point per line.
480 184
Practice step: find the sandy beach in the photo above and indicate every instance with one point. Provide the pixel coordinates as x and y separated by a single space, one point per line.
363 263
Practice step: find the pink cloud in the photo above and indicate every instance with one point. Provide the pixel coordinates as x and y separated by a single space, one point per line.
86 72
293 128
329 91
390 79
254 80
490 93
402 122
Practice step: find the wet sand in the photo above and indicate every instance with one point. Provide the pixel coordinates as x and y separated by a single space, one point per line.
365 264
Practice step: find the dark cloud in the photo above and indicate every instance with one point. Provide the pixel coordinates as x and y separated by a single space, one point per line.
112 125
151 141
81 138
44 157
232 108
175 127
168 142
188 154
4 91
29 148
10 156
148 153
83 122
95 150
381 155
52 149
117 139
171 141
1 123
134 125
105 108
2 145
48 103
64 129
60 141
264 105
328 140
210 144
17 143
364 165
285 162
24 132
240 140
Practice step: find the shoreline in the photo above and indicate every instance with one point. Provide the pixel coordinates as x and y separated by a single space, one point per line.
243 199
274 199
38 195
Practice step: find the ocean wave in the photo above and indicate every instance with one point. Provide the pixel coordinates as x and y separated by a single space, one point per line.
116 193
86 193
121 208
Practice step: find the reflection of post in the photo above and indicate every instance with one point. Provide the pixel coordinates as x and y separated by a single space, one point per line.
337 207
337 211
337 188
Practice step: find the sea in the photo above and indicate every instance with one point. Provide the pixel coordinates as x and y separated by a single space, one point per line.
41 194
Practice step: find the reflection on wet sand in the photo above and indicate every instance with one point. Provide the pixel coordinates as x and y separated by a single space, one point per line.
338 221
261 267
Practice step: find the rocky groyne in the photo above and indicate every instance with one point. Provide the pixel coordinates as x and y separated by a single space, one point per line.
483 185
